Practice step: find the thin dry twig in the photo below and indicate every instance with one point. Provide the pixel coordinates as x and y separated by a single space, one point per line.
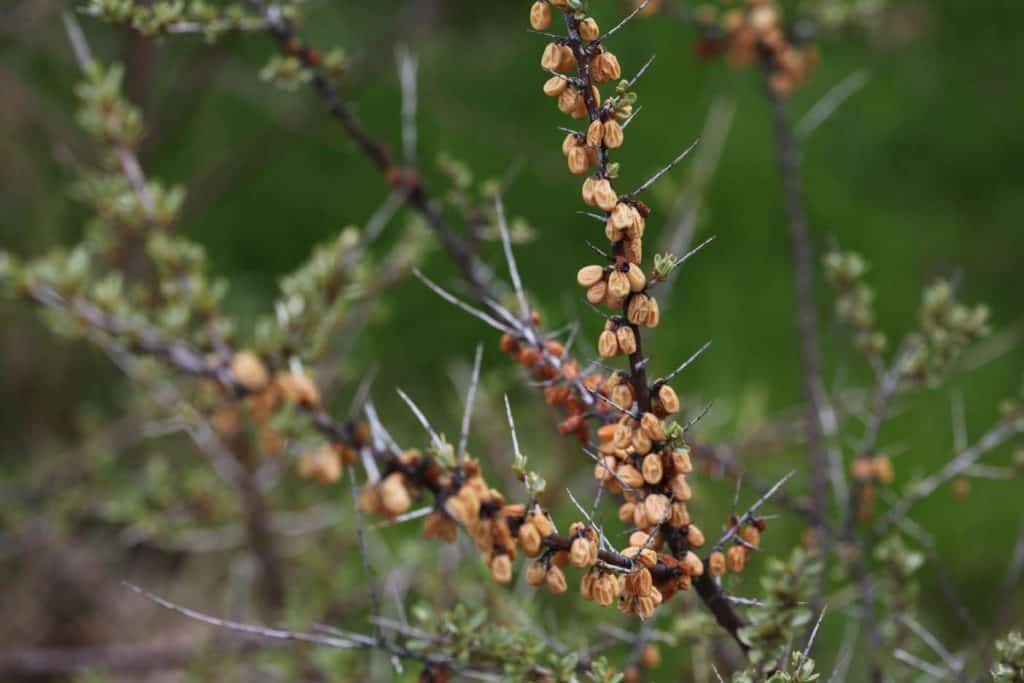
665 169
830 102
467 413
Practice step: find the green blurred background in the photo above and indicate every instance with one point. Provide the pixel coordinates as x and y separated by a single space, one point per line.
919 171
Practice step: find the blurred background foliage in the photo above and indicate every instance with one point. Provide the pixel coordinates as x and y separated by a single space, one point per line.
919 171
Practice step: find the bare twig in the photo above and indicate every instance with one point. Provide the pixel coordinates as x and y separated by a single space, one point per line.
830 102
629 17
810 640
467 413
407 68
633 81
364 553
434 438
475 312
685 214
686 363
513 271
665 169
928 638
916 662
812 385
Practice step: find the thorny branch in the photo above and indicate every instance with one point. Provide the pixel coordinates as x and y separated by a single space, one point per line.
817 403
992 439
708 589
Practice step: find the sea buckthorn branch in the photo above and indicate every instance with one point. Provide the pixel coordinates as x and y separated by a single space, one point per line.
946 328
721 459
636 449
869 467
756 35
1010 426
462 498
820 420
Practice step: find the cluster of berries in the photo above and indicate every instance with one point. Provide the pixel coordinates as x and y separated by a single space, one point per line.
756 34
636 456
746 540
547 362
870 472
263 394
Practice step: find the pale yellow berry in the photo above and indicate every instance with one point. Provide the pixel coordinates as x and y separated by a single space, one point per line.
555 580
656 507
680 488
618 284
668 399
555 86
637 279
597 293
607 344
692 564
588 276
681 462
578 160
529 539
612 134
604 195
298 387
249 371
626 339
551 57
540 16
589 30
394 496
716 563
595 133
535 573
736 559
652 468
679 516
652 426
588 191
543 524
322 464
501 568
630 476
579 552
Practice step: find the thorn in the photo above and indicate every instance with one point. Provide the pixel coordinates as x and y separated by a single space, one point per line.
653 179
